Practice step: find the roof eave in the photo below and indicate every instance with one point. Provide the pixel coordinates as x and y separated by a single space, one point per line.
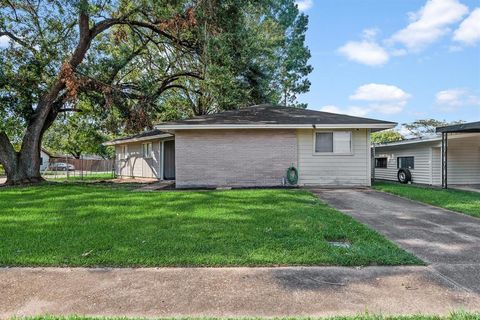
158 136
381 126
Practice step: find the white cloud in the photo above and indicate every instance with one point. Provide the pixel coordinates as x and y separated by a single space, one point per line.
382 98
304 5
4 40
379 92
430 23
352 111
451 99
469 30
367 51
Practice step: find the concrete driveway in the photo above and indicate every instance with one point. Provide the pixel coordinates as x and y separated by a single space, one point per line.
449 242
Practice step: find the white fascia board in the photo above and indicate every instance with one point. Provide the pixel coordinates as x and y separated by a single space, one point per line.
158 136
275 126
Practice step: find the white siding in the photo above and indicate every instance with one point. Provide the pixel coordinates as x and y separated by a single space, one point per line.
135 165
334 170
464 160
422 153
436 166
45 160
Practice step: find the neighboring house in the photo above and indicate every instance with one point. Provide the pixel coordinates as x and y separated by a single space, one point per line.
253 147
423 157
44 159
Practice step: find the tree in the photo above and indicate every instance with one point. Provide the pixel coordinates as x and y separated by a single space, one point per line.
386 136
62 51
420 128
294 67
77 134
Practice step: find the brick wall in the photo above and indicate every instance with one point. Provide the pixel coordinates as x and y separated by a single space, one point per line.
233 157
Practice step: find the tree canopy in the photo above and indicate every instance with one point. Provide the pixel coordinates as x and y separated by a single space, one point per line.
386 136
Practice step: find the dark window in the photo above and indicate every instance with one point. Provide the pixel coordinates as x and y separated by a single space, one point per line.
41 161
405 162
380 162
324 142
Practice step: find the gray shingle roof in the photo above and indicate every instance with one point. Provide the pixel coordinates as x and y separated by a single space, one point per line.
271 114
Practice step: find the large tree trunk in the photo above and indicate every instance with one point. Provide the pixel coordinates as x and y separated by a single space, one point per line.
23 171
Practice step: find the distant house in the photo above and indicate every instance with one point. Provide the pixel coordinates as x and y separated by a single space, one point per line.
44 159
423 157
253 147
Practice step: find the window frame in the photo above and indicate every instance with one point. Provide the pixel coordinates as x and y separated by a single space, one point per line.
333 153
149 146
383 158
413 162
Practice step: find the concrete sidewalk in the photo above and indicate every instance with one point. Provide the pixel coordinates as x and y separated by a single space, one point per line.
221 292
448 241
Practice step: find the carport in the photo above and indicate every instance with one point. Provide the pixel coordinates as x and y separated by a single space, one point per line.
470 127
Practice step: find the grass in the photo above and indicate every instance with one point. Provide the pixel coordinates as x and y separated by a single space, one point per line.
456 200
452 316
77 177
74 224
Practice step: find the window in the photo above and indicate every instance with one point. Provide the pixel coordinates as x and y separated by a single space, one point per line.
124 152
147 150
337 142
405 162
380 162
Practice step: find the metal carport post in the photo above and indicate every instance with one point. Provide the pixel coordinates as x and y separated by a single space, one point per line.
444 160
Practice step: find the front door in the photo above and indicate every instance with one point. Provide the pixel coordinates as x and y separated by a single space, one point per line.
169 160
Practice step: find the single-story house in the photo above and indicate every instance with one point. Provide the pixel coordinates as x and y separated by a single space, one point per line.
460 164
253 146
44 159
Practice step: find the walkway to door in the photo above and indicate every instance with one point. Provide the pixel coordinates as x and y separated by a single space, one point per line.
449 242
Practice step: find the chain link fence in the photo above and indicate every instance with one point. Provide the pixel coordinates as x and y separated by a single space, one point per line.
79 169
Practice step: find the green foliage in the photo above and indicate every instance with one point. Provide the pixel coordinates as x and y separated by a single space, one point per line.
386 136
455 200
420 128
89 226
78 134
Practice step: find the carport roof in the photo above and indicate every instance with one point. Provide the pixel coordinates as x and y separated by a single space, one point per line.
274 116
463 127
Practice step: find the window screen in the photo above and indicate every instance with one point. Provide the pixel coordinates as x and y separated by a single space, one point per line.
405 162
380 162
324 142
342 142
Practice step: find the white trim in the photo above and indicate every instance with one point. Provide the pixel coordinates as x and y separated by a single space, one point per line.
162 157
158 136
274 126
333 153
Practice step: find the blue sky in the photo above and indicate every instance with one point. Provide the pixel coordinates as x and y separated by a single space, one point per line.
398 60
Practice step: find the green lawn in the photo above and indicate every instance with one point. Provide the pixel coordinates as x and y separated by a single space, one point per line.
455 200
96 225
87 177
453 316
